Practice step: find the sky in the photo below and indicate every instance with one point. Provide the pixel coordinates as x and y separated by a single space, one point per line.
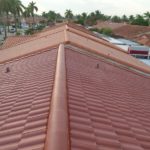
108 7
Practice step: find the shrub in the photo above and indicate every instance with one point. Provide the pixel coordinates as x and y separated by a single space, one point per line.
18 33
30 31
106 31
40 27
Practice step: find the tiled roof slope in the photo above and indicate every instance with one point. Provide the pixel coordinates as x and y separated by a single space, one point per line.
123 29
15 40
108 24
131 31
109 107
68 33
25 98
80 102
72 97
12 41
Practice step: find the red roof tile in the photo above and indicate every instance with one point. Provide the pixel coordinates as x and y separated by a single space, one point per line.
76 35
25 94
15 40
73 98
108 106
131 31
108 24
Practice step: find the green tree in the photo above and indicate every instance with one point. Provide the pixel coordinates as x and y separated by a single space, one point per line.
52 16
131 19
81 19
147 16
116 19
44 14
84 17
99 15
106 31
69 15
139 20
32 8
26 12
17 10
5 6
91 19
124 18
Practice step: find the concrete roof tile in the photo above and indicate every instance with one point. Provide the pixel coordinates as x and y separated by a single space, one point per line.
109 130
15 40
69 98
25 123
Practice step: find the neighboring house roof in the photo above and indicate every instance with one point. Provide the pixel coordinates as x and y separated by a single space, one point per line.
144 39
131 31
29 20
108 24
4 19
37 19
67 93
12 41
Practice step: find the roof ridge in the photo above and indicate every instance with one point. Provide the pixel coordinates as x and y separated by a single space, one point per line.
69 25
58 131
71 33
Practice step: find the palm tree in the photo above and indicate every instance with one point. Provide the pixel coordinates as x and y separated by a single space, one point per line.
131 19
5 6
124 18
26 12
32 7
84 17
69 15
147 16
17 10
99 15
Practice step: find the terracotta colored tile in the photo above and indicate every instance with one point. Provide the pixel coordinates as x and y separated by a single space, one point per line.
107 107
25 105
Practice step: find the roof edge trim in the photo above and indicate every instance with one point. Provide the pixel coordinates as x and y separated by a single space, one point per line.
93 37
58 128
